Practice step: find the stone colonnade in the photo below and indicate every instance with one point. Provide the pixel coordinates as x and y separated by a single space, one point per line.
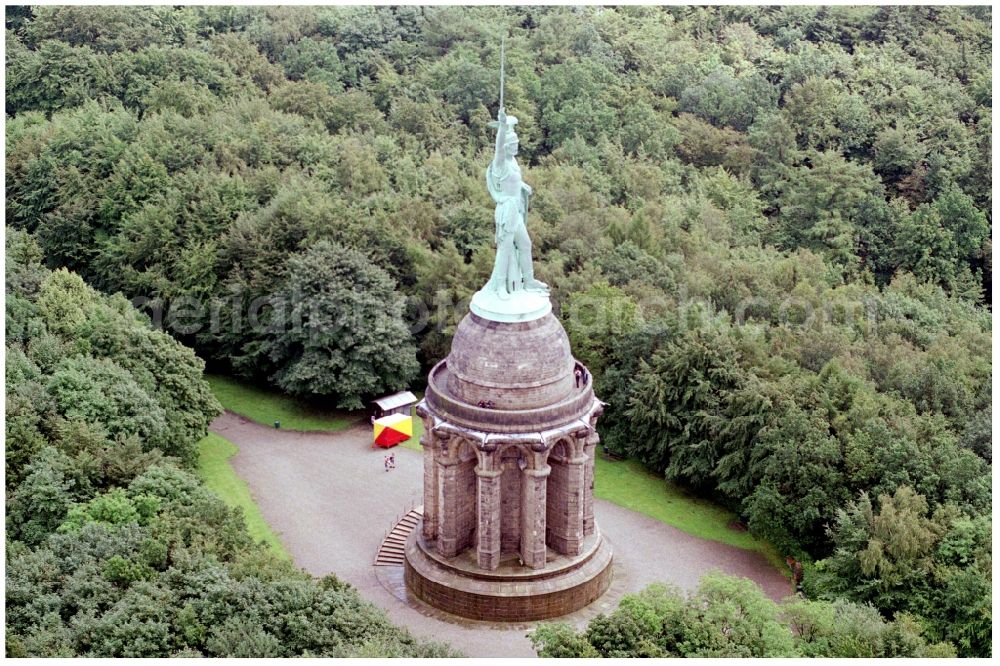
509 493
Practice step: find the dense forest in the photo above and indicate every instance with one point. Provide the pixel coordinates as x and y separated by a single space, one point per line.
767 232
114 547
731 617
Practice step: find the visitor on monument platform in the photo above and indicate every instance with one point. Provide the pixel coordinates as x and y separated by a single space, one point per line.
579 376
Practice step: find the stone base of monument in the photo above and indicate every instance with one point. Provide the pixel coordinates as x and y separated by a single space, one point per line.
520 305
511 593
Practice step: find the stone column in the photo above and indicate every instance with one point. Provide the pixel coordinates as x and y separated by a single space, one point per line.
488 518
427 440
575 502
533 486
448 507
589 450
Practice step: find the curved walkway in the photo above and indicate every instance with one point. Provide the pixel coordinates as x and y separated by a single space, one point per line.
330 501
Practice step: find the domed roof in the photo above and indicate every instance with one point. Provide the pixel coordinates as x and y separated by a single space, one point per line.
509 376
516 365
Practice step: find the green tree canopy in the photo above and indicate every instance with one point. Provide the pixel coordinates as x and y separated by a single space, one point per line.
344 334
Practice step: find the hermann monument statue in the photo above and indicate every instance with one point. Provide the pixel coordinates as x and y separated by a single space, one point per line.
512 293
513 270
508 531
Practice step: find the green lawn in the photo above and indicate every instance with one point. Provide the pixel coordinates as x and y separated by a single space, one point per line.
418 428
267 406
414 441
626 483
214 452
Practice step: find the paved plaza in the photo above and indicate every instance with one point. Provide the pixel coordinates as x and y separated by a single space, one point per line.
329 499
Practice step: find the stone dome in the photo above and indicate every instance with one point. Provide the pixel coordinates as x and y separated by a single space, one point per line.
516 365
525 369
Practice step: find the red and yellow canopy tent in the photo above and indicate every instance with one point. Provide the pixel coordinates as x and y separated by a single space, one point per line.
393 429
393 424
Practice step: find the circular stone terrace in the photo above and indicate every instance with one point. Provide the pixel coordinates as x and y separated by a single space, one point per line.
331 502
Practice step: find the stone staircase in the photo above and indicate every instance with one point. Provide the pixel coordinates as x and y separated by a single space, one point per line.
390 553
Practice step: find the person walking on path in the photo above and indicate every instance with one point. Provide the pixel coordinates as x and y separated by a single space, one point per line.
385 463
392 461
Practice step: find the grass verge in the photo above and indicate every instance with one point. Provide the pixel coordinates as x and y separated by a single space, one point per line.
418 428
265 406
214 452
627 483
414 441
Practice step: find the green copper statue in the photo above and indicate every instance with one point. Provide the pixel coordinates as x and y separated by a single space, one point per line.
512 293
513 269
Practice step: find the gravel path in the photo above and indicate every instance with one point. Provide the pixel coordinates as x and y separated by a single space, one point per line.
330 502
